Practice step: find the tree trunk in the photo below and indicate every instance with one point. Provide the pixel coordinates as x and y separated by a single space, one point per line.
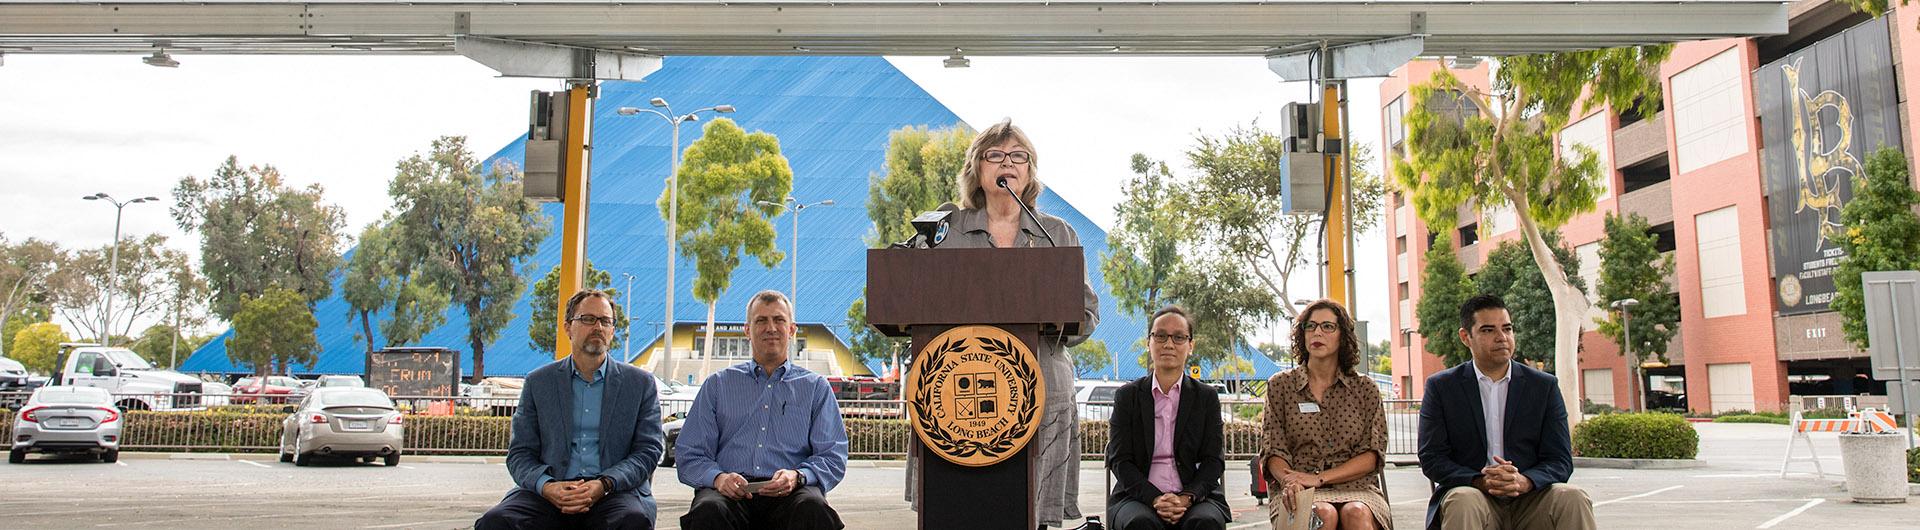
1569 309
366 329
479 346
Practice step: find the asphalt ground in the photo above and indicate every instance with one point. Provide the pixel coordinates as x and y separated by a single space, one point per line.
1736 485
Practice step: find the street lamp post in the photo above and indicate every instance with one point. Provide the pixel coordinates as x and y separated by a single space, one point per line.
626 339
113 270
793 287
1626 347
673 194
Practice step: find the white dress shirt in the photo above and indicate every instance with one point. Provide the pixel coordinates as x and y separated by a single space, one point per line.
1493 409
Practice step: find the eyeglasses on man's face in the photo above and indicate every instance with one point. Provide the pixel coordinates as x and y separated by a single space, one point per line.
1323 327
594 320
1163 338
1017 157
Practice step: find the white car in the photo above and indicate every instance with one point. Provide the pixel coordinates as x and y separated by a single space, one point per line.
67 419
675 398
1095 398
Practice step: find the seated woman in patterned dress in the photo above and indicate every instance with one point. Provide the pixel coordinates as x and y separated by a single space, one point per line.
1325 429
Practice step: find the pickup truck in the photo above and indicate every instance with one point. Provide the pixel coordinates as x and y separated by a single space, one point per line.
135 383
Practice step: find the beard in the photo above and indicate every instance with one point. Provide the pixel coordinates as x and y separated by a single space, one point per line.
593 347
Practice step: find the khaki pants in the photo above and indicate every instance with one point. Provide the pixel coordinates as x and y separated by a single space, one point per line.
1561 506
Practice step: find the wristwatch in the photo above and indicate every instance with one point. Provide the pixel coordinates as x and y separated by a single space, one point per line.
606 484
801 481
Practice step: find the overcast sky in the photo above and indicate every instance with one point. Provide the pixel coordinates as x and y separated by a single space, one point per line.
75 125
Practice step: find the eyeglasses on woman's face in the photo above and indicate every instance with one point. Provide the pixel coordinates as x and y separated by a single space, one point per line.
1163 338
997 156
1323 327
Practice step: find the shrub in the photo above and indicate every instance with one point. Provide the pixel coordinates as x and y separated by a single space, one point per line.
1751 418
1637 435
1913 465
1593 409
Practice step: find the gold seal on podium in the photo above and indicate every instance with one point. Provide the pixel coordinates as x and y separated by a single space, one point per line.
975 395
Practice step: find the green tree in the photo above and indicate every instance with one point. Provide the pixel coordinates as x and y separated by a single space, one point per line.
1882 234
1465 145
1874 8
1383 364
272 332
1444 286
37 345
1511 274
542 337
921 165
1090 357
723 179
158 345
1143 249
152 281
1226 304
1236 198
467 236
257 233
377 279
24 268
1631 267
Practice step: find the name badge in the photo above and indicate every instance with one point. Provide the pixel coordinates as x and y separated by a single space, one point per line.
1309 408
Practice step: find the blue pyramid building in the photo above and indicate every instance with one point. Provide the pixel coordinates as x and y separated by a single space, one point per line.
832 116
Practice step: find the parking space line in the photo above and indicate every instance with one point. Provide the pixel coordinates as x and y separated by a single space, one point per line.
401 467
1789 515
1630 497
255 464
421 523
1738 475
122 464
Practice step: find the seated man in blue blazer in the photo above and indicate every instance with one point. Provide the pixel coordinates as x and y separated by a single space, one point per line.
586 436
1166 447
1493 436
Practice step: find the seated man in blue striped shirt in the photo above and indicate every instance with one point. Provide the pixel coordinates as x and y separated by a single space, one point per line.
764 442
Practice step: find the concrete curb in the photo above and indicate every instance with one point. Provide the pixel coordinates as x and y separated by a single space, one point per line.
1636 463
432 459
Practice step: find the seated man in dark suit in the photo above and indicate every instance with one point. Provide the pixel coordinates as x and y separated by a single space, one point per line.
586 436
764 442
1165 449
1493 436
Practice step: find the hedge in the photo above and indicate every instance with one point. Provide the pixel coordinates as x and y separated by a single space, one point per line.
1751 418
1913 465
229 430
1638 435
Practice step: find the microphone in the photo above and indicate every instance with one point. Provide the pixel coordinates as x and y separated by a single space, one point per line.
930 228
1002 182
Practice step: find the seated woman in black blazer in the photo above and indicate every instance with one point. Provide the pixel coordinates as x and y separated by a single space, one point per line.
1165 446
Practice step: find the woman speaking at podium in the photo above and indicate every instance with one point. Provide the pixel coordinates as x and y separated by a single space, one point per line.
997 187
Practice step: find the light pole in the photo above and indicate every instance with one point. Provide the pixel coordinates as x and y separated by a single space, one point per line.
113 270
673 193
793 288
626 338
1626 347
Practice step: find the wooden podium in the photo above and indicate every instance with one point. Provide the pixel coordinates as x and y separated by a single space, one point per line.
982 296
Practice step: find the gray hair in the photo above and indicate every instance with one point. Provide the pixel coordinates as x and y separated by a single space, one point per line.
767 297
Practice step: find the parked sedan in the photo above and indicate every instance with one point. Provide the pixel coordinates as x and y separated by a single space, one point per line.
341 380
342 421
269 389
67 419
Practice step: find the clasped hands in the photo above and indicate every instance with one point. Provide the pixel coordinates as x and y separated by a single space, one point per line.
1172 506
734 486
1501 479
574 496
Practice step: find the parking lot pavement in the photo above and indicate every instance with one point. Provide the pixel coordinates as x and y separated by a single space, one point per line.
1736 487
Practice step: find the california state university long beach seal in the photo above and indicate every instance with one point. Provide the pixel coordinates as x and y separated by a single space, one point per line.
975 395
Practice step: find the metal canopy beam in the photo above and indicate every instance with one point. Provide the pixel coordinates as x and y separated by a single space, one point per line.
525 59
870 27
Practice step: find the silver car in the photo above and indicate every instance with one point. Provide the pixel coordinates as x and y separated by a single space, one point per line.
341 380
342 421
67 419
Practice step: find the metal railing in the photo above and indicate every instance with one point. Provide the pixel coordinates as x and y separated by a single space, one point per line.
876 429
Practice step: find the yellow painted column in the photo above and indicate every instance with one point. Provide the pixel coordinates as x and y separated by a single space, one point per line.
573 195
1336 242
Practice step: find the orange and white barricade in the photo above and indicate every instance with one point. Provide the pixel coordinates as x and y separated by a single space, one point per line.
1797 432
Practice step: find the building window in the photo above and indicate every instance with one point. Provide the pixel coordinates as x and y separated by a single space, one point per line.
1396 126
1589 256
1469 234
1709 112
1722 279
1592 133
